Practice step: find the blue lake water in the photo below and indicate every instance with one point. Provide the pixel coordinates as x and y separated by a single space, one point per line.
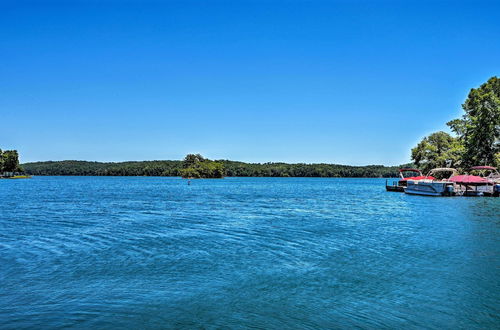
274 253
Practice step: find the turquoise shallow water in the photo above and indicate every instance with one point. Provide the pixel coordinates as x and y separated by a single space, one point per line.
304 253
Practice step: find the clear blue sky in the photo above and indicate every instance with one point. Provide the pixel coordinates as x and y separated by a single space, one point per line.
351 82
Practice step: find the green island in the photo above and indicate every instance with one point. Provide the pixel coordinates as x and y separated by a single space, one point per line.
476 141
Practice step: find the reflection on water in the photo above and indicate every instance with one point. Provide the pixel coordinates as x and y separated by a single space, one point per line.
110 252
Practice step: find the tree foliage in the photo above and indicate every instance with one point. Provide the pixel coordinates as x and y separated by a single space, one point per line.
196 166
439 149
9 161
477 134
479 127
192 160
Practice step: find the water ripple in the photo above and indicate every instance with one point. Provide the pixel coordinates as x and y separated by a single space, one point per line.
257 253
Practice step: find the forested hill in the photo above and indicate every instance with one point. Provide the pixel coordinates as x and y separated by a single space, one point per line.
232 168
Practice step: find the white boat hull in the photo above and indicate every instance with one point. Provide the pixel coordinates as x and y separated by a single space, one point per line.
427 188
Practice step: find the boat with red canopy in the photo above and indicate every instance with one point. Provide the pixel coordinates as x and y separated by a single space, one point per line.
488 172
405 175
436 183
472 185
491 176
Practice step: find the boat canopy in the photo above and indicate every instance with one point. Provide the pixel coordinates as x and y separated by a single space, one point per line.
491 168
403 170
443 169
468 179
420 177
453 171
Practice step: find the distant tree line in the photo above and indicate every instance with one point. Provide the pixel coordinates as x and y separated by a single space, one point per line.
476 139
196 166
9 161
234 168
85 168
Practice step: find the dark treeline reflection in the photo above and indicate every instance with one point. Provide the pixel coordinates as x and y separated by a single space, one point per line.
232 168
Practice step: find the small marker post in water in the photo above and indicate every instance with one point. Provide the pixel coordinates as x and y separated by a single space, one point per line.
189 181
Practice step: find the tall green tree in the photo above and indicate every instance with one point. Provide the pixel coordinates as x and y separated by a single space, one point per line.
192 159
439 149
11 161
479 127
196 166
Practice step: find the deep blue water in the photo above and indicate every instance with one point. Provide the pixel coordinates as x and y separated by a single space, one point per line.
274 253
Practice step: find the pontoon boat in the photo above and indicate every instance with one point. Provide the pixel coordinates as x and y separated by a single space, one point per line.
432 185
